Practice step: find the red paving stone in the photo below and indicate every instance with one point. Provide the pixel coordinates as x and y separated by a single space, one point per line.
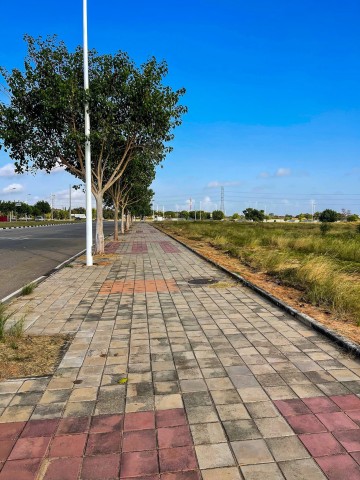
347 402
11 430
306 424
34 447
130 287
177 459
320 444
139 440
139 421
170 418
350 440
26 469
338 467
40 428
106 423
168 247
137 464
73 425
111 247
68 445
5 448
337 421
63 469
103 443
321 405
356 456
174 437
354 415
293 406
101 467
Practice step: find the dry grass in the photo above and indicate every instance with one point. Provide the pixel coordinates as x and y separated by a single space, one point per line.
26 355
325 269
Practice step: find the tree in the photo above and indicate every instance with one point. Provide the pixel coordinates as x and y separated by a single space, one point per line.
352 217
235 216
254 215
184 214
131 112
328 215
218 215
41 208
170 214
131 188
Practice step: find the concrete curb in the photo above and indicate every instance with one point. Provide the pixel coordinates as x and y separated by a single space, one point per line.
339 339
37 226
39 280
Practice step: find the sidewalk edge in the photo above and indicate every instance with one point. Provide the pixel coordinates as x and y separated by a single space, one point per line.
39 280
302 317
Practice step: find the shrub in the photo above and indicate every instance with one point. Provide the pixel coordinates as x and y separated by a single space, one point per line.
218 215
325 228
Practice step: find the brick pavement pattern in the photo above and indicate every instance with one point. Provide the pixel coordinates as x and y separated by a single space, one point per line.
166 380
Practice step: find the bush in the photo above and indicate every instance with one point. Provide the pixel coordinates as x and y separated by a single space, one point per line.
325 228
328 215
218 215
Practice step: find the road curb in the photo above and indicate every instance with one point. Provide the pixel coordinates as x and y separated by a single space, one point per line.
37 226
39 280
339 339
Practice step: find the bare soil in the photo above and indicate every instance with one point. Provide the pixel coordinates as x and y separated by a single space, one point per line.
31 355
289 295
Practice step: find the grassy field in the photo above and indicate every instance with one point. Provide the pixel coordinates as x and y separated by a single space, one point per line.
326 268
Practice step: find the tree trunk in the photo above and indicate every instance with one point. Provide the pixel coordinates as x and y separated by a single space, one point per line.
99 244
122 220
127 222
116 222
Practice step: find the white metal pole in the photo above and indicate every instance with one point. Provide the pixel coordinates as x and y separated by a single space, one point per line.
200 210
89 258
70 202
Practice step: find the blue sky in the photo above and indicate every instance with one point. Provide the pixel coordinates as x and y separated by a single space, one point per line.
272 91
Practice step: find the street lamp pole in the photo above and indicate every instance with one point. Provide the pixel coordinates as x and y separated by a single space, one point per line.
89 258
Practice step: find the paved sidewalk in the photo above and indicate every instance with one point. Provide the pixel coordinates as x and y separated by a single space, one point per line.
172 381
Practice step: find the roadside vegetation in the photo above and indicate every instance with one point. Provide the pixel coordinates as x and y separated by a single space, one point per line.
23 355
323 265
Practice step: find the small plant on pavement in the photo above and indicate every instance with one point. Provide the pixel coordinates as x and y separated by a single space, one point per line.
4 317
27 289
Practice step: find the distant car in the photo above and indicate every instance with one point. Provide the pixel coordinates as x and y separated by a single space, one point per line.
39 219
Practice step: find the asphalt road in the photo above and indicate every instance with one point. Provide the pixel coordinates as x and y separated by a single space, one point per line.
29 253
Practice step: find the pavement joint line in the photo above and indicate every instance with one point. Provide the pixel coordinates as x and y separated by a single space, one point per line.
337 338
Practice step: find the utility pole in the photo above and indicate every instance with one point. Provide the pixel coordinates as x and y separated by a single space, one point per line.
89 258
163 212
200 211
222 203
190 205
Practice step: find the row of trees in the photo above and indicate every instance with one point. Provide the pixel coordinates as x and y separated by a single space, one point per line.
132 112
252 214
22 209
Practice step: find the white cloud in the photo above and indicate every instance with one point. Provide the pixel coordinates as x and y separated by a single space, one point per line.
280 172
12 188
283 172
216 184
7 170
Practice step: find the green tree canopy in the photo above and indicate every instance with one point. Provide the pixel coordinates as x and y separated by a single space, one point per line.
41 208
254 214
131 112
218 215
328 215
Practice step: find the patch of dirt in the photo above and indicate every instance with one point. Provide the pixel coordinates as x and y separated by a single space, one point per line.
289 295
31 356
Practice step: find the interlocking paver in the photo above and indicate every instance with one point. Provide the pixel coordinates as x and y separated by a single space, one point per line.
164 380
